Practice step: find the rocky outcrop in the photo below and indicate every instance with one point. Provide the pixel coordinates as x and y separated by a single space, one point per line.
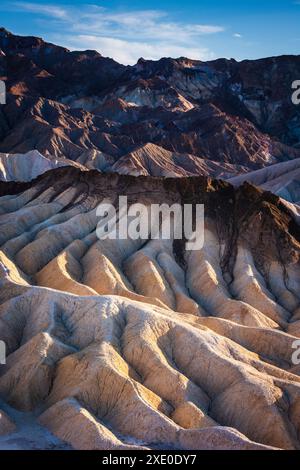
121 344
152 160
218 118
282 179
26 167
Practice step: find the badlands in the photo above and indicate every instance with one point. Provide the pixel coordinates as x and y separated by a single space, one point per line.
142 344
119 344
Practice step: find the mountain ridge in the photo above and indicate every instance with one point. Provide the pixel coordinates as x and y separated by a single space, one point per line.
141 344
74 102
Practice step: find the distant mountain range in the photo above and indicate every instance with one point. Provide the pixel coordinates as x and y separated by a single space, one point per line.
172 116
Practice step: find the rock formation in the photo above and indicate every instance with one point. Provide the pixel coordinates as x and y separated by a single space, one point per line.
119 344
220 118
282 179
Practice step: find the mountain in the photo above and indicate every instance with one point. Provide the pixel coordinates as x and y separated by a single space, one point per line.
66 104
26 167
282 179
152 160
123 344
126 344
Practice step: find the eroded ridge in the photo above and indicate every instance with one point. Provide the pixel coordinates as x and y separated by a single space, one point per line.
116 344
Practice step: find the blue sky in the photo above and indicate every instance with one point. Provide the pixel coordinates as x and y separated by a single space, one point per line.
127 30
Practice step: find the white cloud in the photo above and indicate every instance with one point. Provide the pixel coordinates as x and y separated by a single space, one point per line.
237 35
48 10
125 36
127 52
